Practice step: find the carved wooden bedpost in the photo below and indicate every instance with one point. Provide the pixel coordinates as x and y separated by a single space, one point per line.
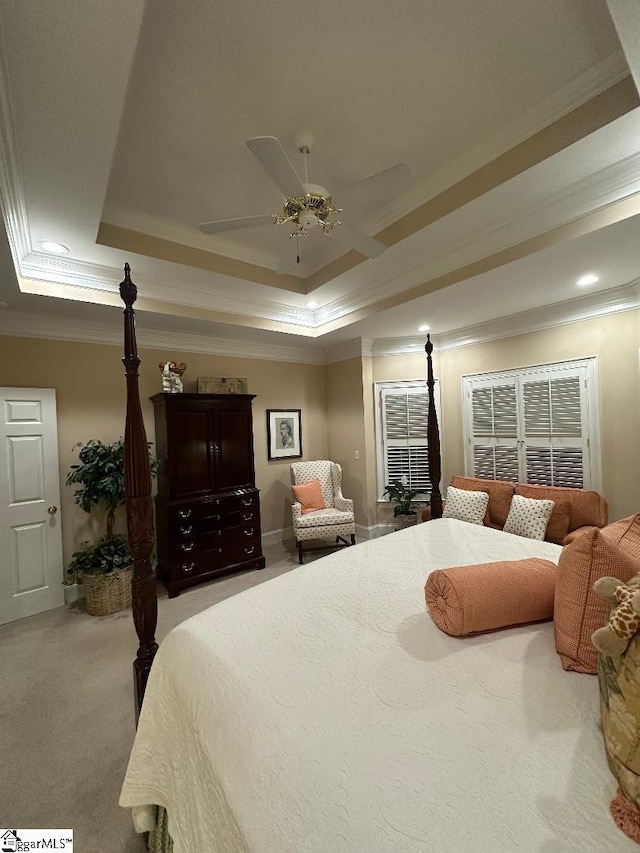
433 440
137 478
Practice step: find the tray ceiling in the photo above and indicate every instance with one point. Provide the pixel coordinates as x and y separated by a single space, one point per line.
520 121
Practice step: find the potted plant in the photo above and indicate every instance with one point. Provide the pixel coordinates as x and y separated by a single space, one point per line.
400 494
103 567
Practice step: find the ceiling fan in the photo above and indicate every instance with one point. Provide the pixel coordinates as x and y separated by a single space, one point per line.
309 205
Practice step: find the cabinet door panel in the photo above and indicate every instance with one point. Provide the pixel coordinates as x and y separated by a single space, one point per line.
189 460
234 458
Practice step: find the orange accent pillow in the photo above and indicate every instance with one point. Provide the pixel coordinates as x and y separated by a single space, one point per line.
486 596
578 610
625 534
309 495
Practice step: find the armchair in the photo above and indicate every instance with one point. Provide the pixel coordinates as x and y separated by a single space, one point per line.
336 519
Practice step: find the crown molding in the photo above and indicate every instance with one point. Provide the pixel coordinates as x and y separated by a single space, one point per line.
155 227
593 82
613 301
588 307
355 348
568 204
66 271
403 346
12 200
23 325
585 195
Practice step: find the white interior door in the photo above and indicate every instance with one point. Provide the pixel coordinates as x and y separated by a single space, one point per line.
31 570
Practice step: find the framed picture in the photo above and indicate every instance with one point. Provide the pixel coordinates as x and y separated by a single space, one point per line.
222 385
284 434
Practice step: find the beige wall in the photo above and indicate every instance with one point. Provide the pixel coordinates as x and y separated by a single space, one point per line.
337 404
346 431
615 340
90 392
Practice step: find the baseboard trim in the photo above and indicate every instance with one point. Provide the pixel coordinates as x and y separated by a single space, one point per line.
271 537
373 531
72 593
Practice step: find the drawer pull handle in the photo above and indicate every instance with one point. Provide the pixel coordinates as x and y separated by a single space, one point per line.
219 550
250 549
248 531
188 567
248 502
247 516
186 529
187 546
184 513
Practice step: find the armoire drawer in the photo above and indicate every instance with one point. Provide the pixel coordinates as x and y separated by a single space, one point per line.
214 507
191 564
213 539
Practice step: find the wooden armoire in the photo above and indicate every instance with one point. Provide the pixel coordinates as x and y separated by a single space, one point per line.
207 507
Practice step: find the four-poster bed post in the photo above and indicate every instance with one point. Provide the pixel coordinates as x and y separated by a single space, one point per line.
137 478
433 440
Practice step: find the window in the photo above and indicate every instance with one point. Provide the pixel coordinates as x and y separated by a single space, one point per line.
401 431
536 425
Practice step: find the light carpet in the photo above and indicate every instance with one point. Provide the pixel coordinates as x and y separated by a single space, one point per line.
67 715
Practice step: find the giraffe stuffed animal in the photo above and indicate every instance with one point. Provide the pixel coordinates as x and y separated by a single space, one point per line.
624 619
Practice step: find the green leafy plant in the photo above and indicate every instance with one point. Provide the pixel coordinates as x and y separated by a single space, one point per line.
108 555
100 477
402 495
99 481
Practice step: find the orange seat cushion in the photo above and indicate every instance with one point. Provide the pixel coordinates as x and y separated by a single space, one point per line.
309 496
587 508
578 611
486 596
500 494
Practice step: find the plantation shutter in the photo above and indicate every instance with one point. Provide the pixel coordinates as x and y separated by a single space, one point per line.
530 426
494 429
404 427
555 447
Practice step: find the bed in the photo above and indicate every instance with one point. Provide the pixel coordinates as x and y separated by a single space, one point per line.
324 711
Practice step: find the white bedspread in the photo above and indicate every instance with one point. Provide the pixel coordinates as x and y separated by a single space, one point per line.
323 711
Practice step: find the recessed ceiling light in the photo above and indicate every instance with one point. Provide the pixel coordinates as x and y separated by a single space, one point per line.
312 305
54 248
423 328
588 278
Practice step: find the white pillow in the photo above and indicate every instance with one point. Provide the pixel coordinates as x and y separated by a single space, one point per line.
466 505
528 517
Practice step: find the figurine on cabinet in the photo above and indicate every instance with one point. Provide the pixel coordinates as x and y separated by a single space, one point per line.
171 373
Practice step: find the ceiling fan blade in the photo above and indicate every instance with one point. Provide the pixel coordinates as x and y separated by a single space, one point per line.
385 184
291 256
272 155
355 239
235 224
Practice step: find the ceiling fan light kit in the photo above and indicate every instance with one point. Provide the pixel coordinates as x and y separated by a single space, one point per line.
308 205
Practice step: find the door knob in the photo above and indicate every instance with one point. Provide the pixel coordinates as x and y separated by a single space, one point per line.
52 510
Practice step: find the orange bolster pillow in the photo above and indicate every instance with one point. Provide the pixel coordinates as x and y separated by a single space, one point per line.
469 599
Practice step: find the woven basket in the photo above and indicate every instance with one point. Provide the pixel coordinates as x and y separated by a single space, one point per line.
403 521
110 593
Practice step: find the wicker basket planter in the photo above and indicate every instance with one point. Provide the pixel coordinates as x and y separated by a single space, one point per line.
109 593
403 521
